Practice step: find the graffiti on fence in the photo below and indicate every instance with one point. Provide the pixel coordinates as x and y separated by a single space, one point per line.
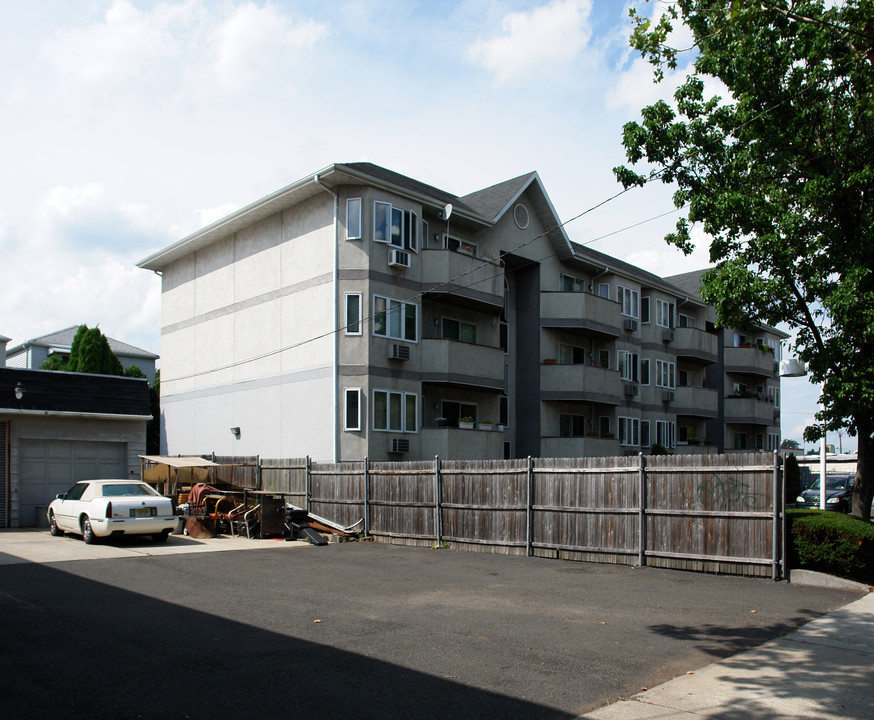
725 491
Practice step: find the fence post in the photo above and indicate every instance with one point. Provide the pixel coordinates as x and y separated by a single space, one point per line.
529 529
307 487
438 494
258 485
641 510
775 519
366 496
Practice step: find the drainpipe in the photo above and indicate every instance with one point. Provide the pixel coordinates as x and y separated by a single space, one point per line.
336 371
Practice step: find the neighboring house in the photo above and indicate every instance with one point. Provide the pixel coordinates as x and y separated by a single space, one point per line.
57 428
361 313
32 354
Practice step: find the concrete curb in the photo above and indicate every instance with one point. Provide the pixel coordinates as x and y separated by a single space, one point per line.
811 578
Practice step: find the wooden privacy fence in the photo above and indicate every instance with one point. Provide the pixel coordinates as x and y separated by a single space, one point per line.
713 513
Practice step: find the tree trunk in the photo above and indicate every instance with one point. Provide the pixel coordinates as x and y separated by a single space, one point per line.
863 485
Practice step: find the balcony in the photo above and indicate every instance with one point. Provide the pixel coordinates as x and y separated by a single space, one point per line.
584 313
461 363
740 410
750 361
696 401
581 382
458 444
462 279
696 345
562 447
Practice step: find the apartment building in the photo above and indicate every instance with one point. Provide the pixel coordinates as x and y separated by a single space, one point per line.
361 313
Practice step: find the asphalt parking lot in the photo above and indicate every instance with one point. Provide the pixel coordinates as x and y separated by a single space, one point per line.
270 629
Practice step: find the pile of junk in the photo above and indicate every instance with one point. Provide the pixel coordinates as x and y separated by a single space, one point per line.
210 502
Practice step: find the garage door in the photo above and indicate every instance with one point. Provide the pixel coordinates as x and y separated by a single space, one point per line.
49 467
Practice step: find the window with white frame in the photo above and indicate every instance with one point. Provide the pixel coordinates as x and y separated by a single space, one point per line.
644 433
353 219
628 362
665 374
740 340
352 404
353 313
644 371
664 313
629 431
395 411
395 319
774 394
666 432
629 300
569 283
395 226
604 290
685 321
773 441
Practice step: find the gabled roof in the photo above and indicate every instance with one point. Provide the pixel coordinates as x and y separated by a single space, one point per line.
483 208
63 340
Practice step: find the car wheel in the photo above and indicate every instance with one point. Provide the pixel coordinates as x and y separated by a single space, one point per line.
53 526
161 536
87 532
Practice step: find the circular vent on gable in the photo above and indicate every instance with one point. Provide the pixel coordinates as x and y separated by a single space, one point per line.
520 215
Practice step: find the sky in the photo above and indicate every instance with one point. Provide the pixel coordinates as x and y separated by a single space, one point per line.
129 124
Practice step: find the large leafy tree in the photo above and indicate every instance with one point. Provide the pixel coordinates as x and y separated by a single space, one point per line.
779 173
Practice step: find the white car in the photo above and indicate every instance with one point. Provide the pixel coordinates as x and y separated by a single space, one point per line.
100 508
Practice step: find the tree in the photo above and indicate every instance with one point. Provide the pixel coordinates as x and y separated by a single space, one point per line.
780 175
94 355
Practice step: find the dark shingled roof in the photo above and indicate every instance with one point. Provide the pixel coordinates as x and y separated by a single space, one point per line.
490 201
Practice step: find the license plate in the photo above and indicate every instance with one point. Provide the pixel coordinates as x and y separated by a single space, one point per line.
142 512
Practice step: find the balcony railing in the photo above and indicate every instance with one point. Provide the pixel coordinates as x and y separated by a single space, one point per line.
581 311
454 361
581 382
696 344
696 401
461 444
748 411
579 447
750 360
464 277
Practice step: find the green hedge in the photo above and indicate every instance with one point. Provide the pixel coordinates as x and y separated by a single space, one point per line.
831 542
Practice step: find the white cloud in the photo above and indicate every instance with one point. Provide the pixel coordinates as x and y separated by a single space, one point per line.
253 39
543 39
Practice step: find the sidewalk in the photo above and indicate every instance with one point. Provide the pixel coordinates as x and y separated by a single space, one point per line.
824 670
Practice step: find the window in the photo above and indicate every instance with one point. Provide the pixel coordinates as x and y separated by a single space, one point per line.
395 411
644 371
571 425
686 321
353 219
458 245
773 441
504 411
353 409
604 290
629 300
760 441
459 330
569 283
604 426
665 374
666 433
740 441
604 358
774 394
740 340
644 433
353 313
395 226
571 355
395 318
452 411
629 431
644 309
628 362
664 313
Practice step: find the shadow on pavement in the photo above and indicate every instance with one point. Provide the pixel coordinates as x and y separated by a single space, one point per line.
108 653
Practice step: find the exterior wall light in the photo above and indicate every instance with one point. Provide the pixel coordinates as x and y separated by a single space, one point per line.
19 391
235 431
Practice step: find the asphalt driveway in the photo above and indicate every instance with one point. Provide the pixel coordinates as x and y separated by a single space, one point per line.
363 630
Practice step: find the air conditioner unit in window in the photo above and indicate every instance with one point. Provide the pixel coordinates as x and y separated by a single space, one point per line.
668 396
398 258
630 324
668 336
398 445
398 352
631 389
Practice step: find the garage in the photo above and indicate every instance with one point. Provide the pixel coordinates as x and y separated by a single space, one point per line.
49 467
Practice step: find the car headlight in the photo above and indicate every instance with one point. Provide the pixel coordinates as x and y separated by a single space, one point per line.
800 499
832 501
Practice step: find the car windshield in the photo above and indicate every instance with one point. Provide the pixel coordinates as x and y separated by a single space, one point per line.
836 482
121 490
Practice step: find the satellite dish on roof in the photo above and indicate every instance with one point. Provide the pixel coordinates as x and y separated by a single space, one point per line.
447 211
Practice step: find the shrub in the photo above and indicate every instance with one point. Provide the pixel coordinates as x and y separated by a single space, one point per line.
831 542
